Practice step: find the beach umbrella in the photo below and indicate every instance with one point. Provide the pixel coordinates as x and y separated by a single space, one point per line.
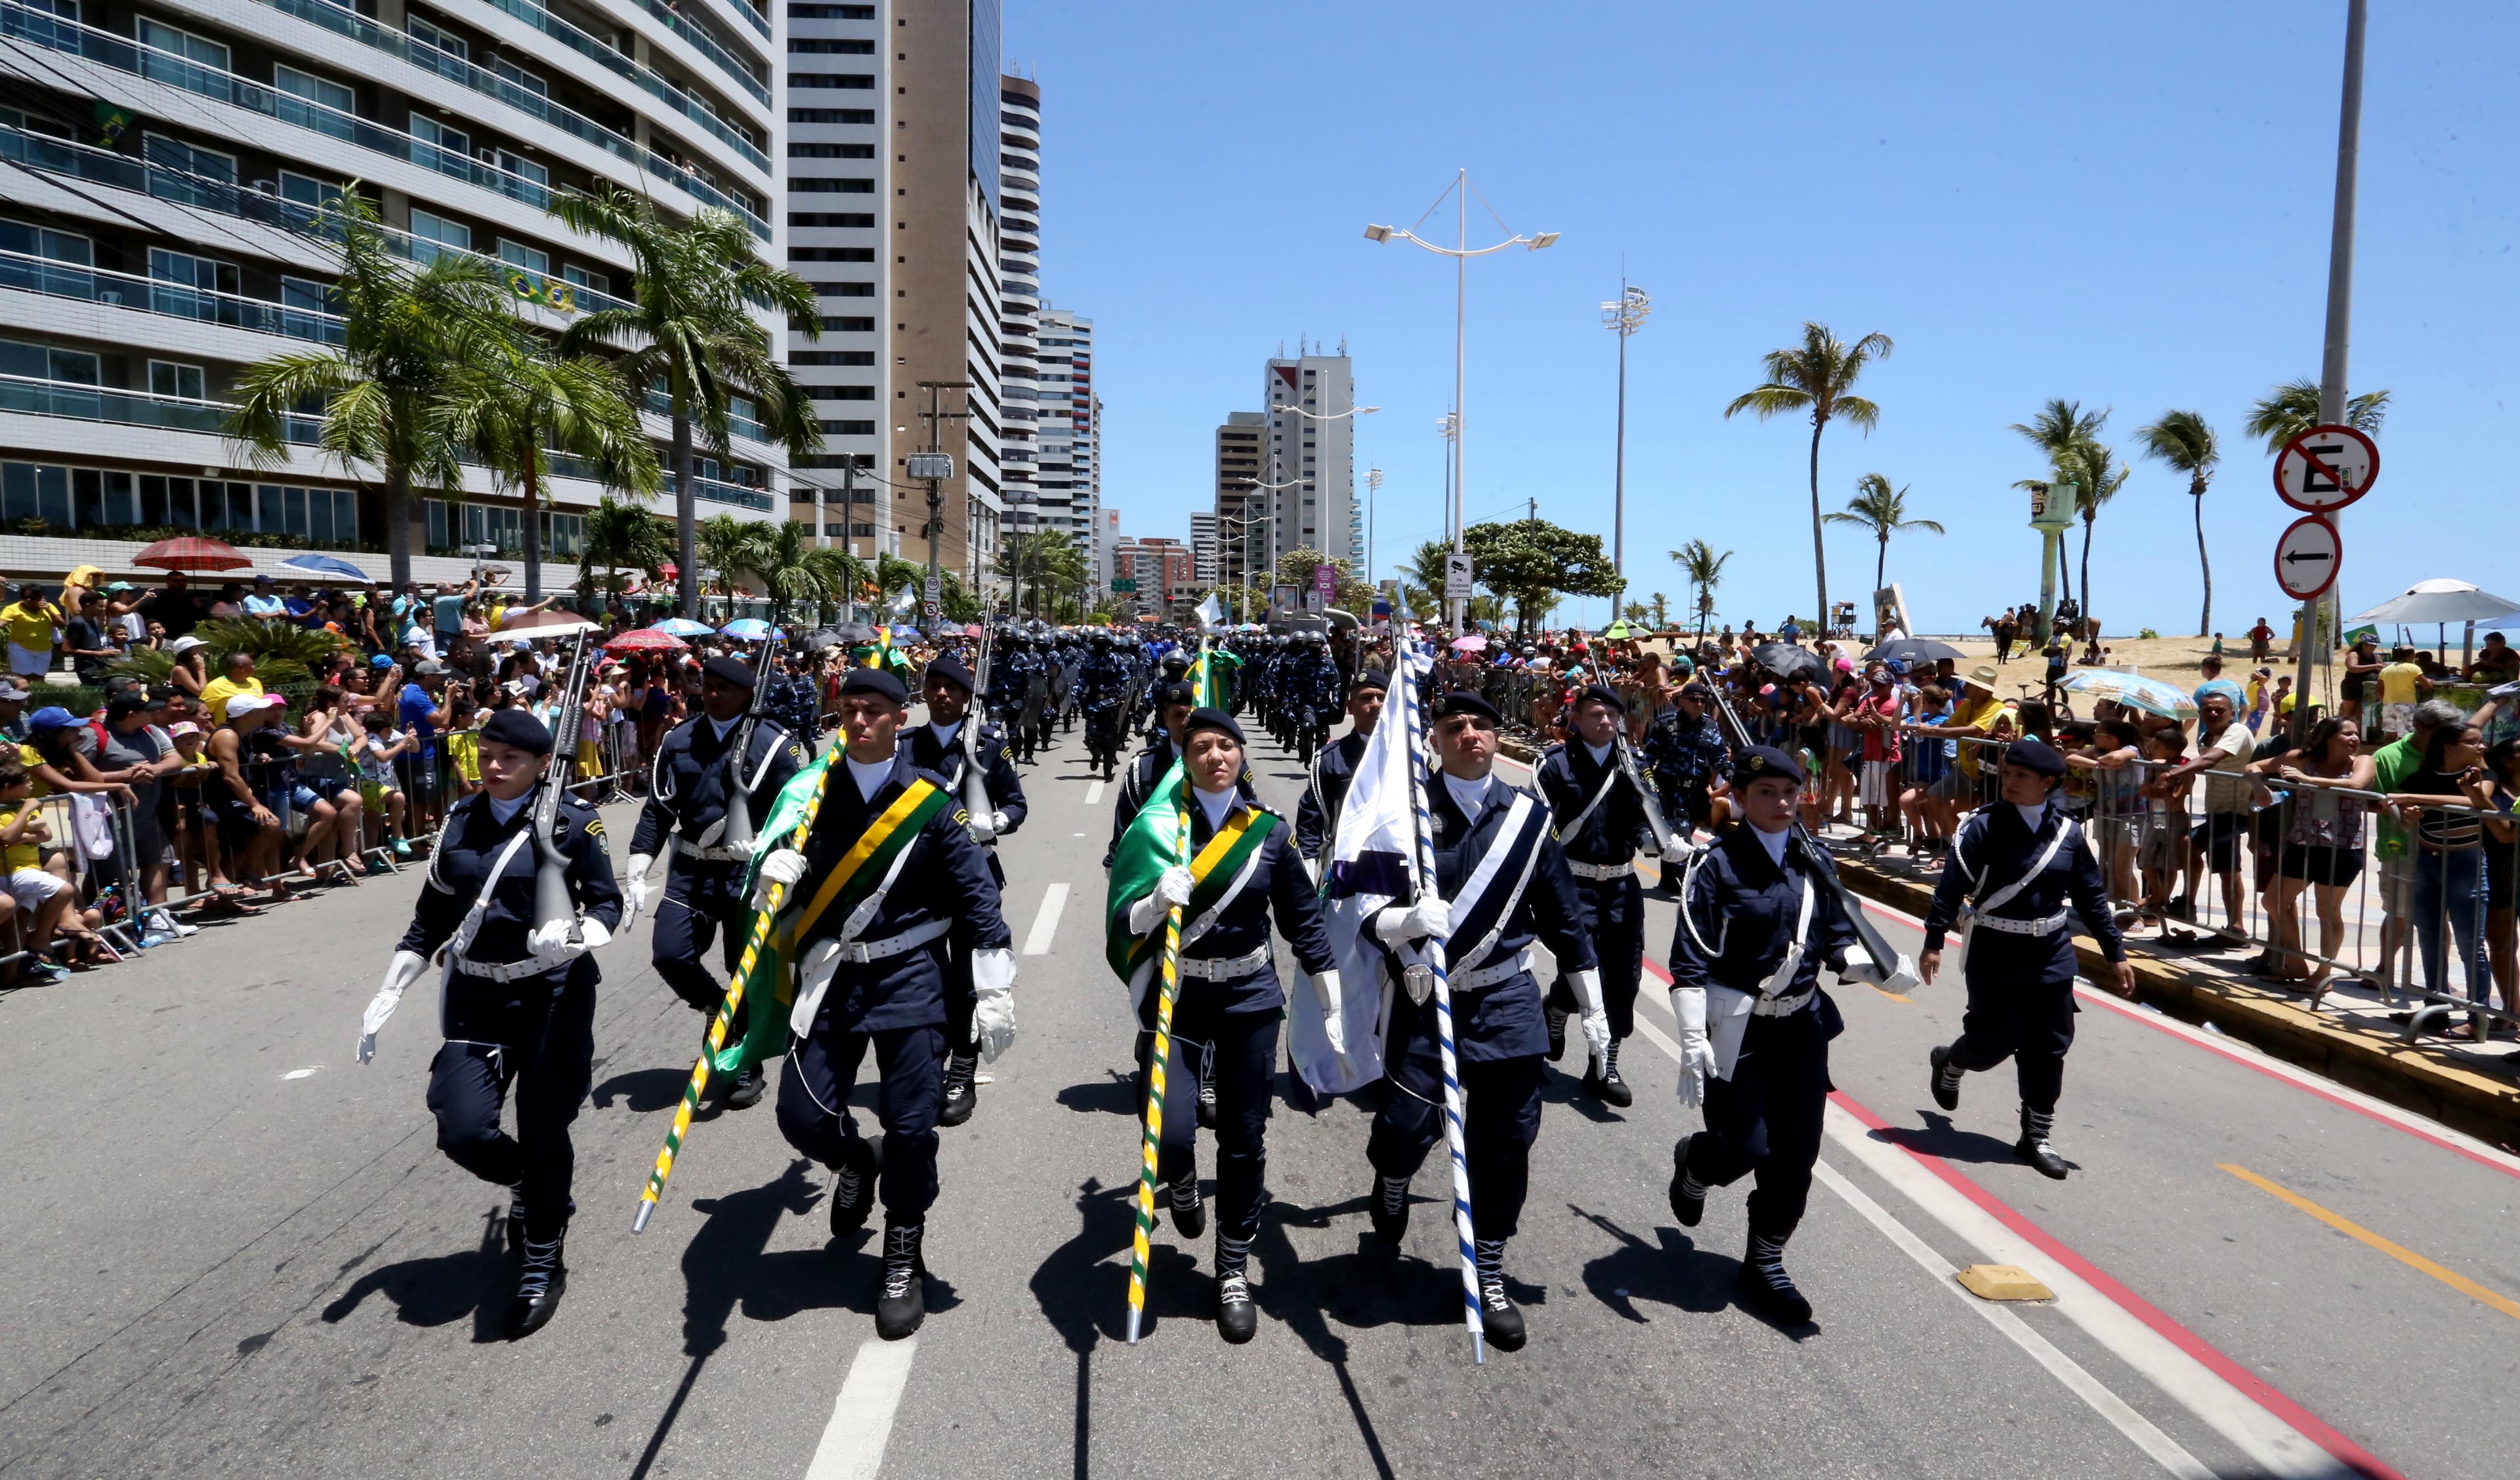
542 624
2152 695
2438 601
1912 651
746 629
1471 643
646 640
328 567
1788 661
191 553
683 626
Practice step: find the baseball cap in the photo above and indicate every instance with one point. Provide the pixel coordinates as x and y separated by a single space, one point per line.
51 717
247 703
381 660
11 691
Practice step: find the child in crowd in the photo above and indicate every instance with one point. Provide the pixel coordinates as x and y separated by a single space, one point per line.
2161 849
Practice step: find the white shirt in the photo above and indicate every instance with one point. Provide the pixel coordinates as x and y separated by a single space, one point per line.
1216 804
1471 796
2032 816
501 812
1774 842
1600 753
723 725
869 775
945 733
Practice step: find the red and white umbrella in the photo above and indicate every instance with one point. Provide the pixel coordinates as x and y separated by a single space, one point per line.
191 553
543 624
646 640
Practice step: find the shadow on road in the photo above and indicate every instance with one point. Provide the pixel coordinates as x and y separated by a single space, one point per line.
441 1290
643 1090
1115 1096
1677 1273
1940 1137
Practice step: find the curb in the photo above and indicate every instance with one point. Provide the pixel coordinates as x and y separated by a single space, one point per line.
2411 1076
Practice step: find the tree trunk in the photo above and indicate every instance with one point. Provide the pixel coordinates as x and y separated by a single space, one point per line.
2089 521
533 523
399 525
686 520
1880 567
2205 618
1819 551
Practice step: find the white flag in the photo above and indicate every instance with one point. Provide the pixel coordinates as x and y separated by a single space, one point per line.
1211 611
1368 868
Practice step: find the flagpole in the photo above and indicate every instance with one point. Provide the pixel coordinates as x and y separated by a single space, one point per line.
1140 1244
1421 878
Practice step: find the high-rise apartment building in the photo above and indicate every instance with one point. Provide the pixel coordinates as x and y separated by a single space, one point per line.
1202 544
839 176
1071 426
1242 521
169 221
1019 261
1311 449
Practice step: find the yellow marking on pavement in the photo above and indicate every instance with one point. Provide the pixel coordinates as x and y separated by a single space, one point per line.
2400 1252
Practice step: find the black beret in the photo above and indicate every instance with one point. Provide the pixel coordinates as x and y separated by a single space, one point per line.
1601 694
950 668
1468 701
1370 678
1697 692
1211 719
731 669
875 681
1180 694
1760 762
519 728
2036 755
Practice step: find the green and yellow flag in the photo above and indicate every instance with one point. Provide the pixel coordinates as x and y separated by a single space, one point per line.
1152 843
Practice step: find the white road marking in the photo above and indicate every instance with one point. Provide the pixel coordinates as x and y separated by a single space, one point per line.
1045 925
1093 793
2164 1450
298 1074
852 1444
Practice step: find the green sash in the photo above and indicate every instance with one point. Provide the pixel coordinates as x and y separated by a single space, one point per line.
1212 872
870 859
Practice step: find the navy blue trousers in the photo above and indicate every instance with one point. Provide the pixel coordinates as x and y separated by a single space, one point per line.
2020 1006
695 908
551 1063
814 1106
1618 908
1243 1046
1499 1117
1765 1121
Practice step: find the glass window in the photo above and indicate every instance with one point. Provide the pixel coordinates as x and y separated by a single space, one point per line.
429 226
184 44
587 277
46 242
440 536
185 174
17 491
445 41
314 89
226 506
306 190
167 378
519 254
53 496
345 516
454 141
519 76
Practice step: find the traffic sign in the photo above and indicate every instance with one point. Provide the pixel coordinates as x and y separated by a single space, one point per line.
1457 577
935 587
1123 584
929 609
2326 468
2307 557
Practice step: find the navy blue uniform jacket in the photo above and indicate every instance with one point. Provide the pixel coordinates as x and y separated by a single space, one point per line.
1317 815
1279 886
690 780
1147 768
488 1012
1740 911
1994 847
1614 829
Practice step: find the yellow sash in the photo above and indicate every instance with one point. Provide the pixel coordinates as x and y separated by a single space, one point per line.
869 842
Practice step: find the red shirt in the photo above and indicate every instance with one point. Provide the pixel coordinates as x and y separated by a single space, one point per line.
1880 744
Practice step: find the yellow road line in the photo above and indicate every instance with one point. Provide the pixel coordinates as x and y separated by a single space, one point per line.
2403 1255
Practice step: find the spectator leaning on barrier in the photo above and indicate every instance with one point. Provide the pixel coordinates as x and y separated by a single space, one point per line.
2448 895
37 897
2224 748
423 709
2499 789
2392 764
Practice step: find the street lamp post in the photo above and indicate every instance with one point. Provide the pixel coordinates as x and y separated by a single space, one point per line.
1246 521
1623 318
1275 468
1460 255
1372 487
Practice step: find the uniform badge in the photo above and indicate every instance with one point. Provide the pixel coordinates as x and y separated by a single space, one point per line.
595 826
1439 825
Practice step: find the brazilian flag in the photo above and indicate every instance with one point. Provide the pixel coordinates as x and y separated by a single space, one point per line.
771 989
1155 841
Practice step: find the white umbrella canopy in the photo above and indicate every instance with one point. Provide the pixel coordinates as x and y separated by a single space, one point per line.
2441 600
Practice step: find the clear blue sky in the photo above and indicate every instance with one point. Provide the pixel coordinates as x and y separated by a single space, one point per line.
2126 206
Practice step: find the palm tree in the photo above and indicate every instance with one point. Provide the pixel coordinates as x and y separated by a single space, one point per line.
791 567
2186 441
400 328
1049 558
690 329
620 537
2292 408
513 403
1883 511
1661 611
1703 568
723 545
1817 377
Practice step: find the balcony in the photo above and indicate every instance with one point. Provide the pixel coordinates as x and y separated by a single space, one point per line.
122 290
662 405
612 61
704 43
130 408
716 492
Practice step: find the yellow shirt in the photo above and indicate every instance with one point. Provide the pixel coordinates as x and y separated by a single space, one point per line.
217 691
25 853
464 748
2397 680
33 758
30 624
1982 713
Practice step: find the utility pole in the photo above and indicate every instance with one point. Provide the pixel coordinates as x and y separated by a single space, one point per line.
2340 317
933 467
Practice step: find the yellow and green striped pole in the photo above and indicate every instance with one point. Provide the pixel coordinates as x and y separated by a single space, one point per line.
762 924
1154 1119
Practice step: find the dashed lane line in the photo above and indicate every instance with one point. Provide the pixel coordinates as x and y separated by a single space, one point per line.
1045 925
853 1442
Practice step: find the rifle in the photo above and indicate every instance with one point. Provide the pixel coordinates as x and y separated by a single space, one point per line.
737 832
552 901
1898 972
1644 794
976 787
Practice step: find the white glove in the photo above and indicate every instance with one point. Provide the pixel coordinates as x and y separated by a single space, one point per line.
1172 890
1430 918
997 821
551 942
1334 1025
993 1014
1597 1017
400 974
784 866
592 932
984 829
1696 1054
633 892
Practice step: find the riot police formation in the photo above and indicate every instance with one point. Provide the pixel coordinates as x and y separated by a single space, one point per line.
2018 870
1011 675
871 974
1599 819
1169 669
1496 1003
1101 688
997 808
517 1000
1066 659
1684 751
714 776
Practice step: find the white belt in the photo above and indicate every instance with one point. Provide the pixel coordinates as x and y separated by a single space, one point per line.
1779 1007
1489 976
716 855
861 952
1222 968
2002 927
507 970
1600 872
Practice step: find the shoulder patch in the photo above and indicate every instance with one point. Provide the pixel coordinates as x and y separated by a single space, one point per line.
595 826
961 817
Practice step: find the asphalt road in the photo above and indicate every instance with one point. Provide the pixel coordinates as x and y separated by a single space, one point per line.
229 1251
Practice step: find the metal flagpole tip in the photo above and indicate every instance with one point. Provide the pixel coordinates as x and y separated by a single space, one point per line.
639 1220
1478 1348
1133 1327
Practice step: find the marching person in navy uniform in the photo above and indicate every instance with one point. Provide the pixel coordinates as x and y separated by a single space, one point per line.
517 1001
2019 870
937 746
1101 685
1497 836
1686 752
695 772
870 973
1317 814
1758 919
1173 705
1173 668
1601 822
1230 1001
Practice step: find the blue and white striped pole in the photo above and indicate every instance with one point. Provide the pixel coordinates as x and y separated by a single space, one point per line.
1421 879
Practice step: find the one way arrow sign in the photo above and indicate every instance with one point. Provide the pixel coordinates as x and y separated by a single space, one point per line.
2307 557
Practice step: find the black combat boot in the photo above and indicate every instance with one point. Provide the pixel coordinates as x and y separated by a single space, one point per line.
853 1187
517 1219
962 1089
1946 1083
901 1302
2033 1146
1190 1214
1687 1194
1764 1286
1237 1320
1388 1206
745 1092
1556 1018
540 1280
1496 1310
1606 1086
